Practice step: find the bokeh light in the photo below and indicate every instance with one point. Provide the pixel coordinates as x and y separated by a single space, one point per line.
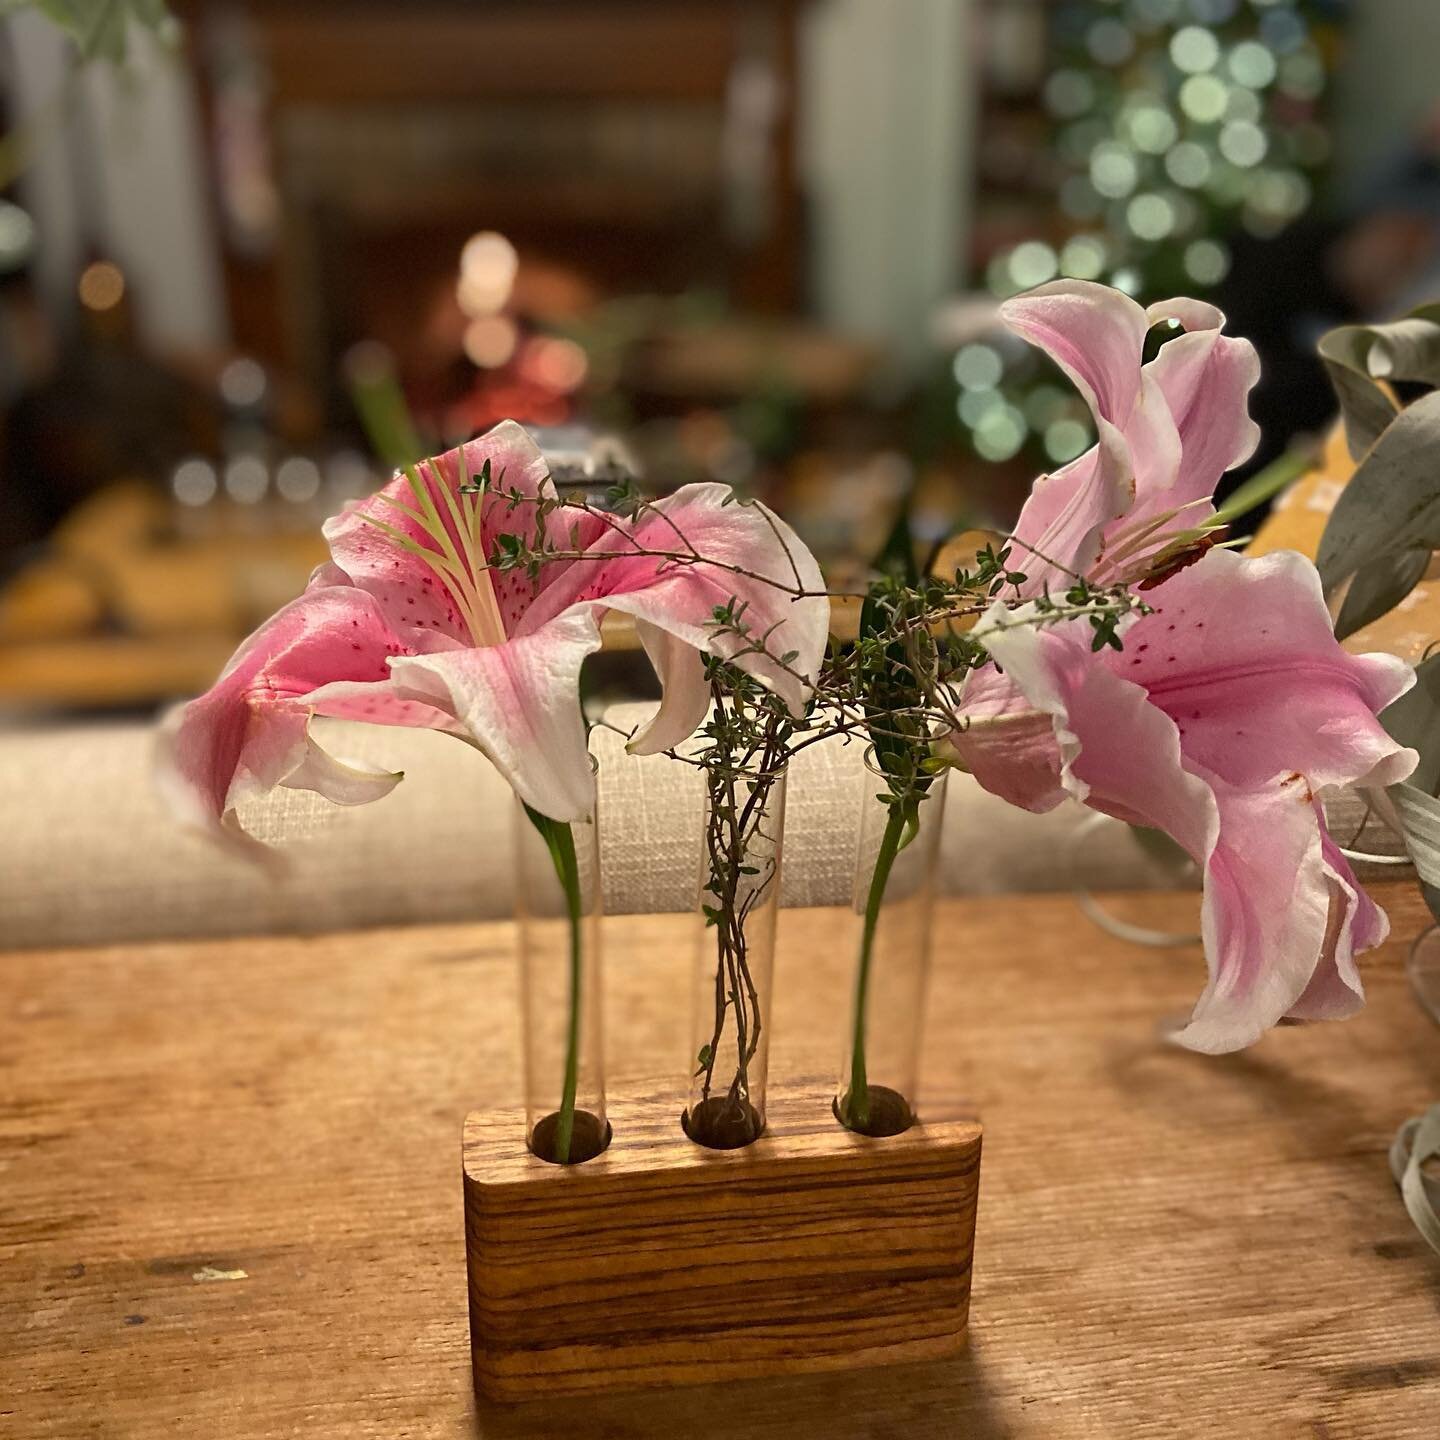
1113 171
297 479
1153 129
1194 50
1203 98
1150 217
194 481
488 266
1252 65
1033 263
490 341
17 236
1084 257
1001 433
246 479
1066 440
101 285
242 383
974 405
1188 164
1207 262
1243 143
978 367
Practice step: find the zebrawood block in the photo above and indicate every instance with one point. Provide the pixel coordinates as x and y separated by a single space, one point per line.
663 1263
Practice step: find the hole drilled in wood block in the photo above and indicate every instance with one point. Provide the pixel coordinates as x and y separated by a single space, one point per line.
661 1262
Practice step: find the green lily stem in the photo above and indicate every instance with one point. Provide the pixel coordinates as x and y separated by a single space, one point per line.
857 1101
560 841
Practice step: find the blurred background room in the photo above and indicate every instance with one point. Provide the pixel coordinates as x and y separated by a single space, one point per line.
254 254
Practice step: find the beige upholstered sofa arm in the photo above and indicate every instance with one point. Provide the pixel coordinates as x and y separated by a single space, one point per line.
88 855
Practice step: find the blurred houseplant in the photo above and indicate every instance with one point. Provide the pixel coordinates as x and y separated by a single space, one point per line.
1376 548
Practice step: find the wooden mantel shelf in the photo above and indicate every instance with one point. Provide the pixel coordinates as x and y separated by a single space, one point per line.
229 1201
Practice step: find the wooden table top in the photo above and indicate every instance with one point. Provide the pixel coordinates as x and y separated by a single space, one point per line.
230 1198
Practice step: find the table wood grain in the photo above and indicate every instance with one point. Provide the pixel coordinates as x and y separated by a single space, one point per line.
230 1198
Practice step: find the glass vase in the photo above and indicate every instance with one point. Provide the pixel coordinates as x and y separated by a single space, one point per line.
558 907
739 904
894 901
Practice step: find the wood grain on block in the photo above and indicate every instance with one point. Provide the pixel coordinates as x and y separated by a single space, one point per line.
663 1263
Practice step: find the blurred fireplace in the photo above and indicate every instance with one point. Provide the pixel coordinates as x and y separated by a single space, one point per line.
633 146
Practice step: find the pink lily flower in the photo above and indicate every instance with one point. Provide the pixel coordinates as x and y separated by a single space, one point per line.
411 625
1168 430
1230 707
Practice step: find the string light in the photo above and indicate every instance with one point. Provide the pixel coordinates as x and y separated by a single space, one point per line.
1151 217
1113 171
1188 164
1153 129
1083 257
1066 440
1001 433
1243 144
1252 64
17 236
1194 50
1203 98
1207 262
975 405
297 479
1033 263
194 482
246 479
978 367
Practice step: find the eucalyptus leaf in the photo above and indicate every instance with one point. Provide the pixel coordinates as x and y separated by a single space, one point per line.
1414 720
1410 807
1365 407
1392 501
1417 1141
1419 816
1379 587
1408 349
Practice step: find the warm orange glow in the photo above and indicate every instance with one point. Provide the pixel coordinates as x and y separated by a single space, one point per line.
490 341
102 286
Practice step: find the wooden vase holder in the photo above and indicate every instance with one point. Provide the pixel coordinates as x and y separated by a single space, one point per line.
660 1262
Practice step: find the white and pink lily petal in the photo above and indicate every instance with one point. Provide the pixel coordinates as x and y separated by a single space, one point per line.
499 651
1168 431
1228 710
250 732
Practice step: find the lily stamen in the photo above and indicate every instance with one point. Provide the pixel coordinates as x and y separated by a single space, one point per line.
462 571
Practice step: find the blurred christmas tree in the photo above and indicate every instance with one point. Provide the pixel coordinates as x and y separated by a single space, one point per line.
1168 124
